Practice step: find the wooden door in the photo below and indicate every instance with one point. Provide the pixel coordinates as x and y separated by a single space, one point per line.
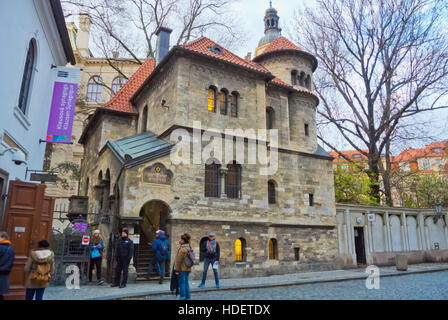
28 219
359 246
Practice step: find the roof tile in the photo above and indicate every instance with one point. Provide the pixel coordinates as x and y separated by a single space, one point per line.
121 100
280 44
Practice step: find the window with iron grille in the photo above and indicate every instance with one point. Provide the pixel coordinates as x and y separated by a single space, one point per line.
234 107
212 180
94 88
271 192
223 102
233 181
212 99
27 76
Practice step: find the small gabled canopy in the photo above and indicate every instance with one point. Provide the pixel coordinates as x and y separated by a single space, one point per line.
139 148
322 153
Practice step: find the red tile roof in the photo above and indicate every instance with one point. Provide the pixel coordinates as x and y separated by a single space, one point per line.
203 45
282 83
121 100
280 44
349 154
427 152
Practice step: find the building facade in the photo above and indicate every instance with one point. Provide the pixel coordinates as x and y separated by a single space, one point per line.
99 80
33 46
266 223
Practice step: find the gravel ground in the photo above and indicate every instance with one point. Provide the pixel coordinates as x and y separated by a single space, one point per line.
427 286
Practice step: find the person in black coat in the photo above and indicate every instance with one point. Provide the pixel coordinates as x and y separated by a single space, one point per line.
124 252
6 263
211 252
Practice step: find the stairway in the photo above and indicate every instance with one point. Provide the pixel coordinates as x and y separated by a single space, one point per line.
144 258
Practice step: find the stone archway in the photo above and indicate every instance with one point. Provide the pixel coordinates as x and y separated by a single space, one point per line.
155 214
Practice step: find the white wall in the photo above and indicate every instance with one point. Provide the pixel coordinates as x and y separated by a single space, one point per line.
22 20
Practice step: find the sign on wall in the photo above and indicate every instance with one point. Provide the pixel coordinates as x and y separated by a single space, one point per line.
63 104
157 174
371 217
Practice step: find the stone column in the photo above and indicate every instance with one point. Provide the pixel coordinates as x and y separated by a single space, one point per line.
404 232
421 231
223 172
388 234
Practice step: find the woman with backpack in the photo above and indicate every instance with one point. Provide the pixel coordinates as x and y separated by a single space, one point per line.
6 262
96 256
182 266
38 270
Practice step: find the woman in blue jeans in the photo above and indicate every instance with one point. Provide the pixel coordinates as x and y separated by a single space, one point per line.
181 269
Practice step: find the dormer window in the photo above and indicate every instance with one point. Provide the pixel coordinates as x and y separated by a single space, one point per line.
356 156
437 150
217 49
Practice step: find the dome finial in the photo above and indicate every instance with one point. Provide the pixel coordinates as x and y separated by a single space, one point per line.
270 4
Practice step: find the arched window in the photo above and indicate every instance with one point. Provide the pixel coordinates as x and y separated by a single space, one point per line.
234 107
145 119
273 251
233 181
117 84
94 89
240 250
212 99
212 179
270 118
271 192
308 82
27 77
294 77
223 101
302 79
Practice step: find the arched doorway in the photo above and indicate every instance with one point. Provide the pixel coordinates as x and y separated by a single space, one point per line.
155 215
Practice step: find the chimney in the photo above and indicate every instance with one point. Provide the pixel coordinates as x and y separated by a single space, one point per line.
249 56
115 54
83 36
163 43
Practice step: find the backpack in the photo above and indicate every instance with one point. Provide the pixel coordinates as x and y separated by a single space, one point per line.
164 248
42 273
189 259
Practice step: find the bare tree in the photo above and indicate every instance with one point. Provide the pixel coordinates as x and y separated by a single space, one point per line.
129 27
382 63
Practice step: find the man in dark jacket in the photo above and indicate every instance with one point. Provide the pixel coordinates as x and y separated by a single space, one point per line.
162 251
211 251
6 262
124 252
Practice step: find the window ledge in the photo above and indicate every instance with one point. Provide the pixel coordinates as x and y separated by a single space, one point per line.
23 119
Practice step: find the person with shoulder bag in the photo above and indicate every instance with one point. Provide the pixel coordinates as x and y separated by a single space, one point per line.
6 262
38 270
96 256
182 266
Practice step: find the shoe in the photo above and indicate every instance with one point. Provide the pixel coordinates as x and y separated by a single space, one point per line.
160 282
99 283
201 285
122 286
217 285
114 285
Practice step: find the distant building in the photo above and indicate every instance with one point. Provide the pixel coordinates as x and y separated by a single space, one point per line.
34 39
431 159
98 82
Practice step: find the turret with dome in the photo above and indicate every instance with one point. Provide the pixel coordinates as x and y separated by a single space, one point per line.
283 58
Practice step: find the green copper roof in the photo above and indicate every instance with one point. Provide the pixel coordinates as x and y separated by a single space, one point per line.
140 148
321 152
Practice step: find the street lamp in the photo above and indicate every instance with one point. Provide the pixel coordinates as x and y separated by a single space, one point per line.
438 208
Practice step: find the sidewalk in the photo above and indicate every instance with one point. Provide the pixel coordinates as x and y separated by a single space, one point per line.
105 292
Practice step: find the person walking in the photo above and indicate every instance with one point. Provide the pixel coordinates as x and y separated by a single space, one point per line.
124 253
6 262
162 251
96 256
211 251
181 269
38 270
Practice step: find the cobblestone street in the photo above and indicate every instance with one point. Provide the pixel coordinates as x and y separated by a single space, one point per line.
427 286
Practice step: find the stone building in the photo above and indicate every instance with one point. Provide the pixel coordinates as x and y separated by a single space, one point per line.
98 82
280 223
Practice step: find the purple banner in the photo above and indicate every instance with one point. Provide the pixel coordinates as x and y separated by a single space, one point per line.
62 112
63 104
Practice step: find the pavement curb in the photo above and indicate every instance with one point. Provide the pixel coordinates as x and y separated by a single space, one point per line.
268 285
